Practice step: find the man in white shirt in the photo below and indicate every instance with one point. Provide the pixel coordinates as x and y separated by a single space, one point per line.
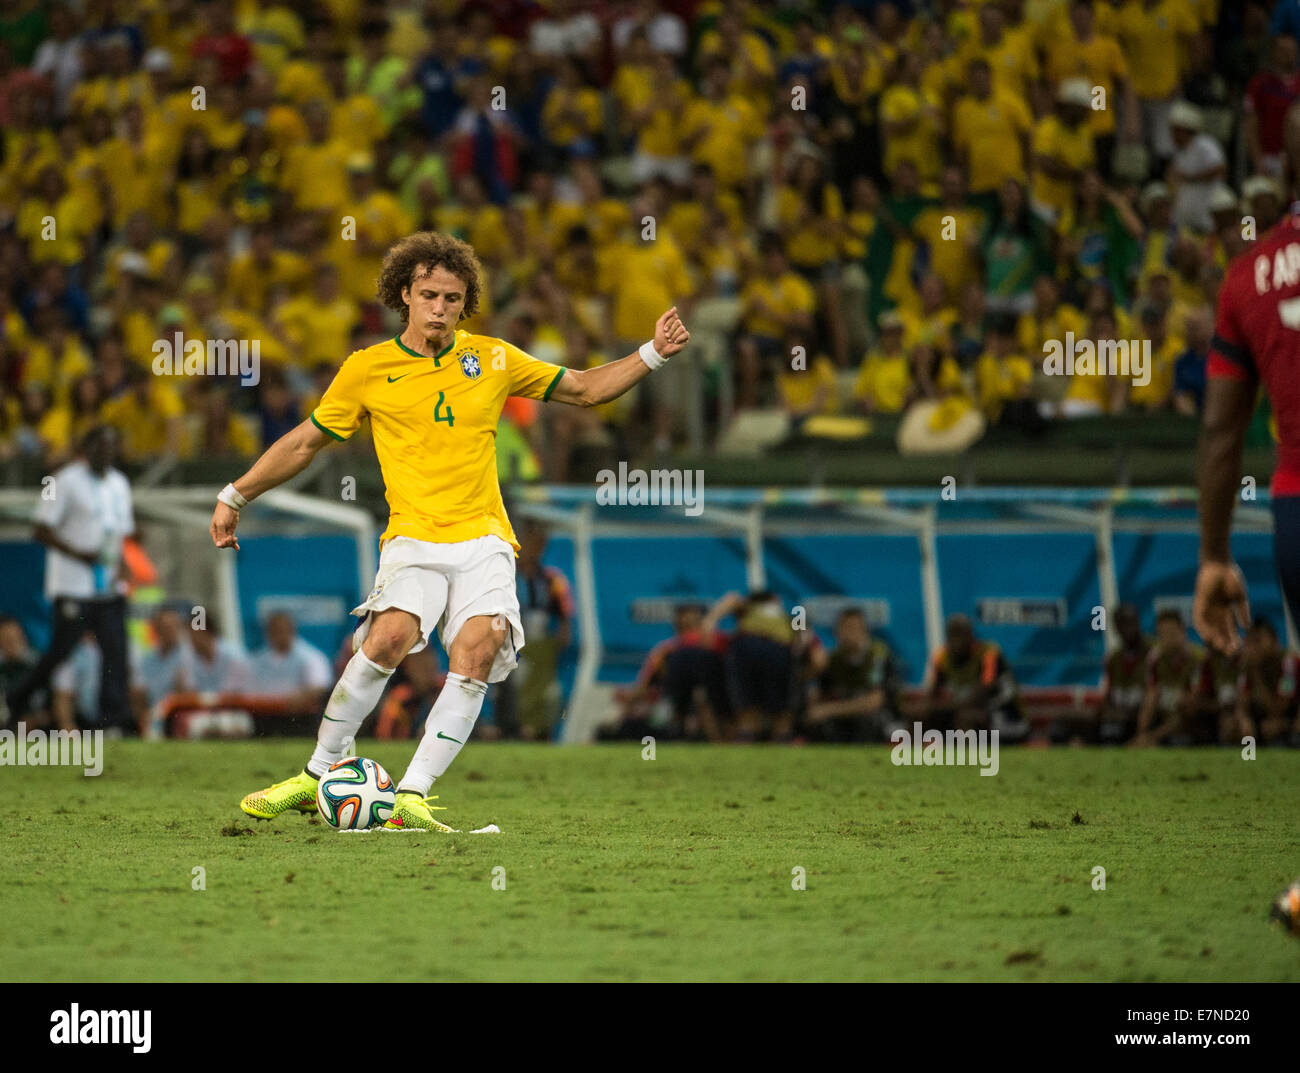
83 516
165 668
290 667
1197 166
218 665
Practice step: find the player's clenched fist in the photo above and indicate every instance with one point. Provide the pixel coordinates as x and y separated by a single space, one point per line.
670 333
224 520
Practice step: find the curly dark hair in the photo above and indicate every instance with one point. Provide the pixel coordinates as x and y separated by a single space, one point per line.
432 249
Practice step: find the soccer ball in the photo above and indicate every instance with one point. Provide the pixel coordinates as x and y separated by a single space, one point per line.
354 794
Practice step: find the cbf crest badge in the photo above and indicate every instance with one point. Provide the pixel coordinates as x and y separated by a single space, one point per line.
469 365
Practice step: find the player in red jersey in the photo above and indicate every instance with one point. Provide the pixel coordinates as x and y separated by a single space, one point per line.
1256 341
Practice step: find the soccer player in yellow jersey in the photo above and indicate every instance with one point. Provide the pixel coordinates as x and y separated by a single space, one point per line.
433 396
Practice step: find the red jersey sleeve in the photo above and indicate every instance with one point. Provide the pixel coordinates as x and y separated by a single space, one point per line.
1229 352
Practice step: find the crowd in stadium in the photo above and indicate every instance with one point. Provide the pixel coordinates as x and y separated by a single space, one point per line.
866 205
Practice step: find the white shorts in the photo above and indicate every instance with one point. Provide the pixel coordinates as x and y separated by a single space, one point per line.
443 585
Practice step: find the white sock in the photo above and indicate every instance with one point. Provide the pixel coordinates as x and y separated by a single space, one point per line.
445 731
354 697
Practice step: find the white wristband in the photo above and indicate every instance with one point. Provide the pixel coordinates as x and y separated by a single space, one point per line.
230 496
650 355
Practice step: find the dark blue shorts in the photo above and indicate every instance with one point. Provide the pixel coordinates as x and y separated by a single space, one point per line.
760 674
1286 550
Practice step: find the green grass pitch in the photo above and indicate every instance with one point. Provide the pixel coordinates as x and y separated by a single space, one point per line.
681 867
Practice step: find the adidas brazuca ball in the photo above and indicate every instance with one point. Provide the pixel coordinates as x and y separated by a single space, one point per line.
354 794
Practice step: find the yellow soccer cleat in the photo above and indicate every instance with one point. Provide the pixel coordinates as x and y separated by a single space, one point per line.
411 812
297 793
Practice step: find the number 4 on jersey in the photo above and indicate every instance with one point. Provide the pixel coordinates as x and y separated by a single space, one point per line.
441 413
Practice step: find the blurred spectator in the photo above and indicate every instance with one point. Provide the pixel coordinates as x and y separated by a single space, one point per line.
991 130
290 667
147 417
167 665
75 688
884 380
687 672
82 525
565 30
1004 380
1154 33
1168 710
216 664
774 304
220 39
1123 685
1268 96
969 685
485 142
1063 149
528 703
1157 392
218 433
1198 163
856 696
1016 249
1189 369
1217 697
760 663
807 383
17 659
1100 237
1266 700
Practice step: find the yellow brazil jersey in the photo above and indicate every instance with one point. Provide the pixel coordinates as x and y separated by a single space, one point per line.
688 220
1099 60
811 227
1150 37
950 233
928 329
569 115
1000 379
884 381
1012 62
814 390
920 144
1033 332
434 422
662 276
725 131
56 232
145 425
990 133
1155 391
771 299
1069 146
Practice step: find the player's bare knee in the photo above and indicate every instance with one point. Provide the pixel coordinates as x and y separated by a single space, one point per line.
388 645
476 650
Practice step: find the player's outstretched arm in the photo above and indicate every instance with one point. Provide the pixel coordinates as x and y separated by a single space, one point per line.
1220 606
289 455
604 383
